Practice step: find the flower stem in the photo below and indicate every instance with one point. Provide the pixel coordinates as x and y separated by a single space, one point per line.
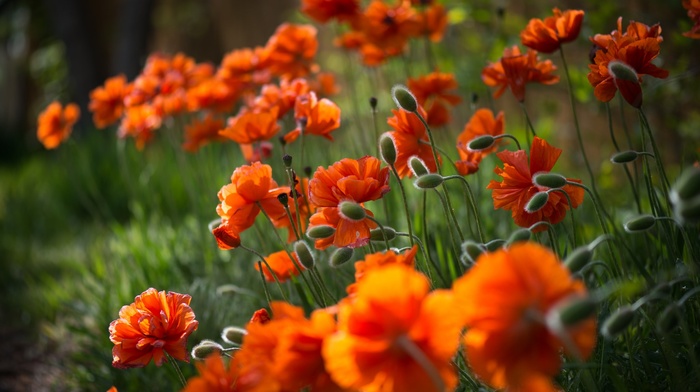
180 376
405 202
423 361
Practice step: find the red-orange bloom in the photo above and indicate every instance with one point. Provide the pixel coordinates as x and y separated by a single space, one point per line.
635 31
382 331
140 122
410 139
260 316
324 10
290 52
434 22
515 70
215 377
252 126
506 298
213 94
282 266
481 123
155 324
56 123
200 132
242 69
388 26
547 35
282 97
107 102
315 117
378 260
517 188
433 92
693 7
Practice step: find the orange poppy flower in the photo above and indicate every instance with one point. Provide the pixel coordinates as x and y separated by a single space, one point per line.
55 123
636 50
317 117
243 69
140 122
348 233
324 84
515 70
107 102
434 22
290 52
635 31
517 188
282 97
481 123
377 260
390 26
282 266
213 94
693 7
324 10
215 377
200 132
432 91
505 299
410 139
251 188
155 324
382 330
260 316
547 35
251 126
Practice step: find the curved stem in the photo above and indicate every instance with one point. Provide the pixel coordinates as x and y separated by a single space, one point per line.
262 275
180 376
423 361
405 201
472 203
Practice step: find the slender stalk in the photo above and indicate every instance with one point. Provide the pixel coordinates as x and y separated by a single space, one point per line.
405 202
381 227
472 204
272 272
422 360
528 122
180 376
426 257
627 171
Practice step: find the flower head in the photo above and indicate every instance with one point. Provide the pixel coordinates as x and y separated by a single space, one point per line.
410 138
214 376
517 187
107 102
378 260
324 10
282 266
435 92
515 70
693 7
481 123
505 299
290 52
155 324
547 35
200 132
251 126
56 123
319 117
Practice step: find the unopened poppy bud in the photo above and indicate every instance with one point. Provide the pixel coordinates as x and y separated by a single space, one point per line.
481 143
624 157
578 259
417 166
575 310
687 185
475 98
304 255
352 211
341 256
205 348
494 245
622 71
320 232
472 250
373 103
668 319
283 198
640 223
618 321
307 171
404 98
688 210
287 160
233 335
387 148
519 235
428 181
379 235
549 180
537 201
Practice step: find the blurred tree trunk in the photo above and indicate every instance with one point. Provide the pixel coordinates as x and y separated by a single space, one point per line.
133 29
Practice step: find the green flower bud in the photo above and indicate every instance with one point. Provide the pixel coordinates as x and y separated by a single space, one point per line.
622 71
578 259
481 143
304 255
640 223
494 245
471 251
428 181
575 311
537 202
233 335
618 321
387 148
624 157
341 256
373 103
205 348
668 319
687 185
320 232
417 166
688 210
287 160
378 235
549 180
352 211
519 235
404 99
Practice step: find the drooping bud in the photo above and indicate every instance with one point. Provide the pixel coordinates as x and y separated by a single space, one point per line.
283 198
668 319
352 211
519 235
471 251
307 171
622 71
618 321
387 148
481 143
320 232
404 99
578 259
205 348
341 256
428 181
573 311
304 254
688 210
494 245
418 167
549 180
287 160
627 82
233 335
687 185
537 201
379 235
624 157
373 103
640 223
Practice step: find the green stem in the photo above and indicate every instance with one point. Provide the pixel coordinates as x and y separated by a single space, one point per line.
472 203
405 201
272 272
180 376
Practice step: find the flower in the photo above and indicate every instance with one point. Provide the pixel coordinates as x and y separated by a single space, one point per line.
378 260
314 116
432 91
621 63
155 324
56 123
394 340
282 266
200 132
547 35
434 22
107 102
481 123
505 299
410 139
517 188
515 70
140 122
693 7
324 10
290 52
215 377
260 316
251 126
